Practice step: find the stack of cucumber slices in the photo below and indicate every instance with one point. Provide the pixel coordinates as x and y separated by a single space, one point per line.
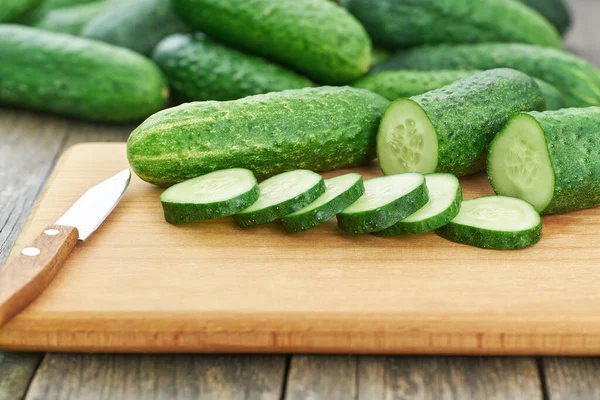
393 205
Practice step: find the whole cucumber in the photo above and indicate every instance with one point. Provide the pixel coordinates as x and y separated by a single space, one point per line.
11 10
320 129
78 77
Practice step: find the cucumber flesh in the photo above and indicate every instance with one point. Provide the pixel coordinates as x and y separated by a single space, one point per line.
386 201
494 222
216 194
445 197
407 141
281 195
340 192
519 164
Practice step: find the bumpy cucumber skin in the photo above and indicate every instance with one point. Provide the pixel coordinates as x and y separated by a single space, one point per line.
555 11
407 23
266 215
386 216
319 215
10 10
72 19
137 25
554 98
576 78
427 225
78 77
467 114
572 138
179 212
317 38
320 129
406 83
199 68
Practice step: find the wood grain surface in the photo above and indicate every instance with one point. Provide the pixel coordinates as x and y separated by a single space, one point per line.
140 284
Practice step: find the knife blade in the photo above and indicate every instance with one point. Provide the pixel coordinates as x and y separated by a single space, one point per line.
28 274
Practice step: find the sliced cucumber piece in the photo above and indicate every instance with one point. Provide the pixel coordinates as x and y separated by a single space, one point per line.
445 197
386 201
495 222
281 195
340 192
214 195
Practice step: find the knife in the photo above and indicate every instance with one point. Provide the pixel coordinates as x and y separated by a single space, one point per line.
26 276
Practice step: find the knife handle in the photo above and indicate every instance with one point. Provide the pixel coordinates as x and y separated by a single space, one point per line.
30 271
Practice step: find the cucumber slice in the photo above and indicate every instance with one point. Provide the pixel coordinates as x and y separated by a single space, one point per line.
495 222
340 193
281 195
445 197
214 195
386 201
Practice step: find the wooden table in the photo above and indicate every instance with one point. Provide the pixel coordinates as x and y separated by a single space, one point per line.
30 145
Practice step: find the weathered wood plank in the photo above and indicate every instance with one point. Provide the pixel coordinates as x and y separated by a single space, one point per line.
570 378
322 377
438 378
16 370
113 377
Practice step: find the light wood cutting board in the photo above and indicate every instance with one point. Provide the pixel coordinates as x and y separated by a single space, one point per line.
142 285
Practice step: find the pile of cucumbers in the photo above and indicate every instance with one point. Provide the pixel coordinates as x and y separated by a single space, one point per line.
281 90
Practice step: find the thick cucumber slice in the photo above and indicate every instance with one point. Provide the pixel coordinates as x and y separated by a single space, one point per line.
281 195
386 201
494 222
340 192
445 197
214 195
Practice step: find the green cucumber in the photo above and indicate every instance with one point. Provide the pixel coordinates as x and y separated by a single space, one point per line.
445 198
555 11
494 222
321 129
450 129
72 19
46 6
379 55
386 201
67 75
137 25
199 68
340 192
407 23
317 38
214 195
11 10
550 159
576 78
554 99
281 195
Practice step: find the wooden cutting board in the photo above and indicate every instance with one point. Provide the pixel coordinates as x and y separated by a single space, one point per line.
142 285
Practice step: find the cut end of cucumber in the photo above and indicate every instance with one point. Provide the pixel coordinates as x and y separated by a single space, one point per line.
498 213
407 141
333 188
519 164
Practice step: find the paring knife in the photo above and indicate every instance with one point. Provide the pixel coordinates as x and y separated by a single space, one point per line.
26 276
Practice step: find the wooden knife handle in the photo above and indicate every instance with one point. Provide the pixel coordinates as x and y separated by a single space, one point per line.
28 273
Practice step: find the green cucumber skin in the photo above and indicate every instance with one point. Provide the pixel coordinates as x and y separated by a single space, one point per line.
137 25
303 222
572 138
317 38
267 134
406 83
249 220
386 216
72 19
199 68
11 10
555 11
427 225
487 239
576 78
467 114
408 23
177 212
553 97
46 6
379 55
67 75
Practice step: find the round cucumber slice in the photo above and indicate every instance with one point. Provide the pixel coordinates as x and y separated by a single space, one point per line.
519 164
445 197
386 201
340 192
214 195
406 141
281 195
495 222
